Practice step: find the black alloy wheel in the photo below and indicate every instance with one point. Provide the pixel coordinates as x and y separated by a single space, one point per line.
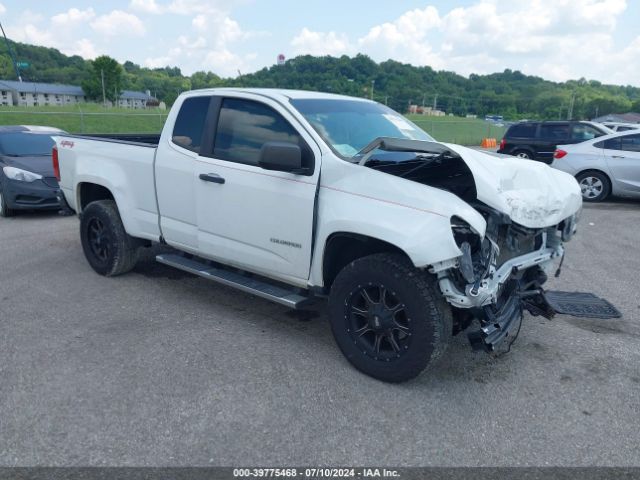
379 323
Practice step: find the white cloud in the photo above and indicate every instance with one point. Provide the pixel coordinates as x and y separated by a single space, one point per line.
320 43
60 33
118 22
83 47
556 39
146 6
72 17
210 47
180 7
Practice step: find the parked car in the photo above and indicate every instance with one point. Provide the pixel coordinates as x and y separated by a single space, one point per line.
538 140
27 181
603 166
300 196
621 127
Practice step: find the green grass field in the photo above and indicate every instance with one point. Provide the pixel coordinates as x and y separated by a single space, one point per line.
464 131
93 118
86 118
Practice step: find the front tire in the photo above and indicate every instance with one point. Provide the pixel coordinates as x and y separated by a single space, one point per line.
388 318
5 211
594 185
108 248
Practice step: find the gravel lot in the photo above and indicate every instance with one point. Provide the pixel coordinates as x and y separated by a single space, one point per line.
162 368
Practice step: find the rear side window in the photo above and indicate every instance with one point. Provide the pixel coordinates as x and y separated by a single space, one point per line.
187 131
610 144
526 130
554 132
244 126
630 143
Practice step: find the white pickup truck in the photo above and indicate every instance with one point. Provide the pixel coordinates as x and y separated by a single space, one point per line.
296 196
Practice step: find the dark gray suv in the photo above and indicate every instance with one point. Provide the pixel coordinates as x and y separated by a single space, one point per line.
538 140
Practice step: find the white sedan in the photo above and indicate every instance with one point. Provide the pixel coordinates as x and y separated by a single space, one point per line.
603 166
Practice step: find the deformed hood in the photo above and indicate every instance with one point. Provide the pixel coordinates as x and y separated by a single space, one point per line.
531 193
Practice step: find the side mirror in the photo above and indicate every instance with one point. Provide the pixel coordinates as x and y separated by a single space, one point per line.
281 156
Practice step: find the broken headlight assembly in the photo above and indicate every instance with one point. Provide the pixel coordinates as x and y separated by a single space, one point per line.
477 253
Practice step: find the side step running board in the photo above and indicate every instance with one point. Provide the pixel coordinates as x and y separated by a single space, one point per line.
250 284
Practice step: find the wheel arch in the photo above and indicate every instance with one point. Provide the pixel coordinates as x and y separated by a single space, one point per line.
88 192
601 172
342 248
597 170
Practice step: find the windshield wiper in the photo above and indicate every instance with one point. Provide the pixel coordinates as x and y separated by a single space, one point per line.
390 144
426 161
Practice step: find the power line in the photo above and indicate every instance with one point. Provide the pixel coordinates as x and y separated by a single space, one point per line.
13 57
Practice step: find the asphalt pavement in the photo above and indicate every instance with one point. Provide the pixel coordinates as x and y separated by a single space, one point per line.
159 368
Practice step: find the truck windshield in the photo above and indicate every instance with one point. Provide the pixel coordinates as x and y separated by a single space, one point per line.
25 144
350 125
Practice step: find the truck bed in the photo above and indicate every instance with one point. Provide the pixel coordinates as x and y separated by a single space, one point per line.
143 139
122 164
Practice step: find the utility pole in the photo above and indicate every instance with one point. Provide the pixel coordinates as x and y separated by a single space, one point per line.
13 57
386 99
570 111
373 82
424 97
104 94
435 102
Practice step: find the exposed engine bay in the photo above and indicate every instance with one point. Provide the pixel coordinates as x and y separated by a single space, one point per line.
497 276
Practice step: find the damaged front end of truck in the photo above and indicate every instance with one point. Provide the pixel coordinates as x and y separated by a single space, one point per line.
499 272
500 275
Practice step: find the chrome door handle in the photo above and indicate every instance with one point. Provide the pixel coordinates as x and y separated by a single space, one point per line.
212 177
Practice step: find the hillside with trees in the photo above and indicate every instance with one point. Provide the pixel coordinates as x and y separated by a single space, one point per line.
509 93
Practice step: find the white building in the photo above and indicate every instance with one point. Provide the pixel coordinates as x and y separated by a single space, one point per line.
31 94
131 99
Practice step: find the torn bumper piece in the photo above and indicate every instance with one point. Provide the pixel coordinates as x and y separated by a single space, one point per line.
500 326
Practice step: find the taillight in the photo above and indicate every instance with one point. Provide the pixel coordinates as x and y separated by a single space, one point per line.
56 164
503 143
559 153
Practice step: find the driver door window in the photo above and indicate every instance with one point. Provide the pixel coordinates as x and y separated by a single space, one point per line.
245 126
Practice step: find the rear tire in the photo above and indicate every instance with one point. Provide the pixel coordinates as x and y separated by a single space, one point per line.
108 248
5 211
522 154
595 186
388 317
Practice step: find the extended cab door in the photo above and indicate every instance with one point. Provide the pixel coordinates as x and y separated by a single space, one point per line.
259 220
175 165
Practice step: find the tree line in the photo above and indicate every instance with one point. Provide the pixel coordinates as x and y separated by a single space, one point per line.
509 93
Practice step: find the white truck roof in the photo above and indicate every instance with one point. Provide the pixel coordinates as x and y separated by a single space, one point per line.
279 93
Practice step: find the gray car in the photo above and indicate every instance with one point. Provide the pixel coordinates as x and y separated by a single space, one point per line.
603 166
27 180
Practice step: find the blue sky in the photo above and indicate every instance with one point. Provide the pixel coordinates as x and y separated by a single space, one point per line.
556 39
